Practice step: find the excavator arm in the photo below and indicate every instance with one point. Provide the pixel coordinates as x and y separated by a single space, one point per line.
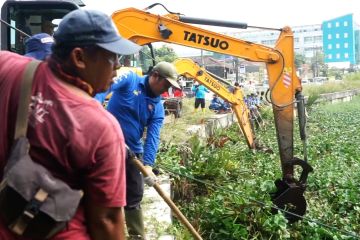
285 87
144 28
190 69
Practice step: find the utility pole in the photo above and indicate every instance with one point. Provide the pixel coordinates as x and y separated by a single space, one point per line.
236 70
202 59
224 76
316 65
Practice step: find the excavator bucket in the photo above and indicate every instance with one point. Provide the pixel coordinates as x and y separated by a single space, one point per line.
289 195
289 199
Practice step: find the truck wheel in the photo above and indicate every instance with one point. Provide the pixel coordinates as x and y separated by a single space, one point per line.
178 111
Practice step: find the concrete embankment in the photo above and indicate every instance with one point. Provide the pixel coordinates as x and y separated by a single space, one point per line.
225 120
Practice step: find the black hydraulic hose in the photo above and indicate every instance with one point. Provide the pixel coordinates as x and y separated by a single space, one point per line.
220 23
212 22
301 114
302 121
159 4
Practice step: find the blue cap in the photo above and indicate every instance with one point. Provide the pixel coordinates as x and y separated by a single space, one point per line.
85 27
39 46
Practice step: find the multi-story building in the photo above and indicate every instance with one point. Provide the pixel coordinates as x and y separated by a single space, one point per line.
307 39
341 38
338 39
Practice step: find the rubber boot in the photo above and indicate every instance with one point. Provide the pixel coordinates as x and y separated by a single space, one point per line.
135 224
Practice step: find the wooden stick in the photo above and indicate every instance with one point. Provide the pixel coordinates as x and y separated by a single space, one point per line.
169 202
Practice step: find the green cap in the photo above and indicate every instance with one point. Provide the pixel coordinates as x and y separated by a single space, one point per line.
168 71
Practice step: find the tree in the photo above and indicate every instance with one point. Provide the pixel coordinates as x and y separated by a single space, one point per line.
318 66
299 60
165 53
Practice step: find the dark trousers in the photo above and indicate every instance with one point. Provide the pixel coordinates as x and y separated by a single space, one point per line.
199 102
134 184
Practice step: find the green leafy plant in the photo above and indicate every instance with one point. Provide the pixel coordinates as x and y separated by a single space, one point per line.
224 190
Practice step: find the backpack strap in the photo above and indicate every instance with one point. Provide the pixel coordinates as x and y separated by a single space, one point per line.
24 99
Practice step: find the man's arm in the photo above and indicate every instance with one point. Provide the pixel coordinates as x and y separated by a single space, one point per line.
105 222
104 181
153 137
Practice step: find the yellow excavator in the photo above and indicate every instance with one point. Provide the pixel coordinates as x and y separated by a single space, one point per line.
144 28
190 69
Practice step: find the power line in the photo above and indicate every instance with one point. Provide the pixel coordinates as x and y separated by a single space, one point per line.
347 233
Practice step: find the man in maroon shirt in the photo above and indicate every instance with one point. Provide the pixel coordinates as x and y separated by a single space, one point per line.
69 132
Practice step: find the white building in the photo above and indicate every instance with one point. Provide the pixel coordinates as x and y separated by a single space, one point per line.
307 38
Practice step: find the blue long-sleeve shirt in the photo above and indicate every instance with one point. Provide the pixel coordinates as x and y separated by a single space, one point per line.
135 108
199 91
215 104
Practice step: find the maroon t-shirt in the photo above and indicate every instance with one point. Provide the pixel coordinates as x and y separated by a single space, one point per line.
72 136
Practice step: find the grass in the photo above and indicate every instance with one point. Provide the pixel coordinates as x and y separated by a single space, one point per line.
175 131
227 212
330 87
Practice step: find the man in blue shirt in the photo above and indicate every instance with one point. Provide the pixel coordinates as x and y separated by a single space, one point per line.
215 104
218 105
200 92
136 104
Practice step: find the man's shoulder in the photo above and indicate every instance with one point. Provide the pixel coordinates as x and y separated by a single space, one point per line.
125 75
10 55
12 66
7 53
10 58
128 79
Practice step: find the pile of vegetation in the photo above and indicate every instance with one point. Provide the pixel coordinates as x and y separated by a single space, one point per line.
223 187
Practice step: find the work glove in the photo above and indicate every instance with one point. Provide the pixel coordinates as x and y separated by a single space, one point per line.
151 177
149 171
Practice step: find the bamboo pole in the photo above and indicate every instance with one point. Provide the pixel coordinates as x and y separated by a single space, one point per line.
167 199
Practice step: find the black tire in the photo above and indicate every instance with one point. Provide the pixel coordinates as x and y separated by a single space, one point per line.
178 111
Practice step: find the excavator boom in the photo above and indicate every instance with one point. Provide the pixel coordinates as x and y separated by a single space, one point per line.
144 28
190 69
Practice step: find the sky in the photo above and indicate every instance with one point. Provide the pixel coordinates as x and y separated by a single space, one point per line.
263 13
266 13
275 13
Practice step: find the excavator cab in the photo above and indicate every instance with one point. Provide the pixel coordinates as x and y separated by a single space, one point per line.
31 17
